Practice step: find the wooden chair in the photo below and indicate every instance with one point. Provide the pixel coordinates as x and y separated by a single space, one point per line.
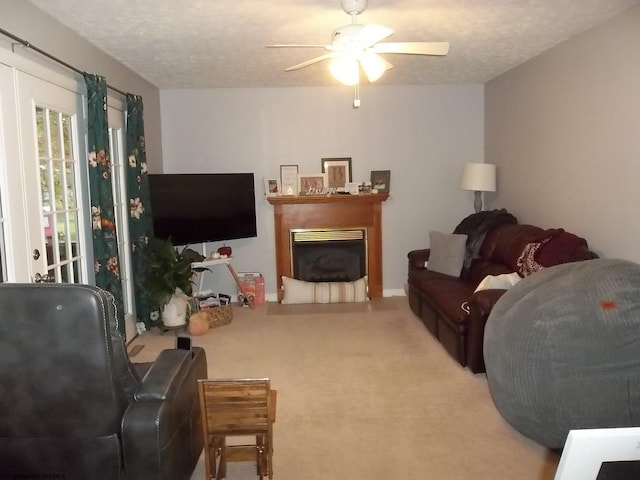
237 408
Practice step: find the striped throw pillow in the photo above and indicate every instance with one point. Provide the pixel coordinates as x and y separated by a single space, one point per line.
298 291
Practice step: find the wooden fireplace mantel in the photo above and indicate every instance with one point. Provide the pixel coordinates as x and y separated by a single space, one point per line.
330 211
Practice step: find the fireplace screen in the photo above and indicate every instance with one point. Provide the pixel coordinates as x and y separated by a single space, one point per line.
329 255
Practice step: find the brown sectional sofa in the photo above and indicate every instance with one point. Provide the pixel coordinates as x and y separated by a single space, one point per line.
448 306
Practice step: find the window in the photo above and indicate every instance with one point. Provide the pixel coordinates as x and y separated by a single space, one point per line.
58 167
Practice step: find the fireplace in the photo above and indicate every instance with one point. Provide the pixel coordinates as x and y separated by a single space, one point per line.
320 255
330 213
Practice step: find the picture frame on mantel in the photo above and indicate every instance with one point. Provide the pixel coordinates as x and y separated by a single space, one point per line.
338 171
288 179
271 187
312 184
381 180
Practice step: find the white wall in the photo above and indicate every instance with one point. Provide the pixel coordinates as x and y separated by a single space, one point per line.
422 134
25 21
564 130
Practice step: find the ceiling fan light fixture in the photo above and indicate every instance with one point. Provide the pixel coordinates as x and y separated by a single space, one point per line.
356 46
345 69
373 65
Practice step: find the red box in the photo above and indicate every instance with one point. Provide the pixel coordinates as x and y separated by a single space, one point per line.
253 286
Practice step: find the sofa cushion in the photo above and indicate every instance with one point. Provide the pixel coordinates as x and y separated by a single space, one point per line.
451 302
446 294
447 252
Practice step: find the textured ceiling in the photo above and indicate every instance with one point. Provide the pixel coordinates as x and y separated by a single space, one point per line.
221 43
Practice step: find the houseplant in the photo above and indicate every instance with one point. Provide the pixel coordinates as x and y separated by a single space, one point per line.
168 281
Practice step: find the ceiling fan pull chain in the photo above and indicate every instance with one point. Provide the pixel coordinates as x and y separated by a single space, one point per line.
356 95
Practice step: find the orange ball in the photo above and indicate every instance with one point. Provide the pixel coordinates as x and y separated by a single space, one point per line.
198 324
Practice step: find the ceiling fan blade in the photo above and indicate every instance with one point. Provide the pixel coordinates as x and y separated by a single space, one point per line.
387 65
371 34
413 48
296 46
311 61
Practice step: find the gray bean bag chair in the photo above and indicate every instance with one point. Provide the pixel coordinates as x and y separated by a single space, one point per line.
562 350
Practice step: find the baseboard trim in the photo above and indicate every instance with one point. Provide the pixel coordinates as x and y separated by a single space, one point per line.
394 292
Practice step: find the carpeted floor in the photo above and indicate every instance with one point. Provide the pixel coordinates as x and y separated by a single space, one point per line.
364 392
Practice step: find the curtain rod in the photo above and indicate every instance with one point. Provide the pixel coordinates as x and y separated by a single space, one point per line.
26 44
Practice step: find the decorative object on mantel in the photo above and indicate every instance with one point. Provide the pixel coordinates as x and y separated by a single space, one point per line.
313 184
289 179
338 172
271 187
365 188
352 188
380 181
478 177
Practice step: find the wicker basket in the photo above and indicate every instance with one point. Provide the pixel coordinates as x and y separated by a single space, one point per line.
218 316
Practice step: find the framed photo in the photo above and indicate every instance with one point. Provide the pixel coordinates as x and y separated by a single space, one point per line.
271 187
380 180
352 188
312 184
289 179
338 171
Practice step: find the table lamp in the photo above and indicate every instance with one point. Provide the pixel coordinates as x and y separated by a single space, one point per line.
478 178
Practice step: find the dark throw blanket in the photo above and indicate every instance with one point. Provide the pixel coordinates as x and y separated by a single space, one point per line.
476 226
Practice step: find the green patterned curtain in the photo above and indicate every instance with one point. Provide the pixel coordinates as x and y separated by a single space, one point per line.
140 224
105 245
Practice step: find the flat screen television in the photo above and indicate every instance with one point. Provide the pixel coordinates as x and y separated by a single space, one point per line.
194 208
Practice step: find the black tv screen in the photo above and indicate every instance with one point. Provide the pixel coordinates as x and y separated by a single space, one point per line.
195 208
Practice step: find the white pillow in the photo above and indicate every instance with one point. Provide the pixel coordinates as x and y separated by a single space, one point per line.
447 253
298 291
504 281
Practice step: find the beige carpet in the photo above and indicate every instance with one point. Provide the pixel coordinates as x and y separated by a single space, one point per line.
364 392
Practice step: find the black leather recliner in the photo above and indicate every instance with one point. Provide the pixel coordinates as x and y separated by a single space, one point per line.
73 406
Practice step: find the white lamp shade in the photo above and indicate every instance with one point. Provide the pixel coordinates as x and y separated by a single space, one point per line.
479 177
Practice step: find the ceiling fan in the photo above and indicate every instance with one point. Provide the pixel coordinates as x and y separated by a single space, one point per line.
356 46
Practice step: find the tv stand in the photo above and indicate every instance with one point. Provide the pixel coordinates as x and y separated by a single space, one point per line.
212 262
